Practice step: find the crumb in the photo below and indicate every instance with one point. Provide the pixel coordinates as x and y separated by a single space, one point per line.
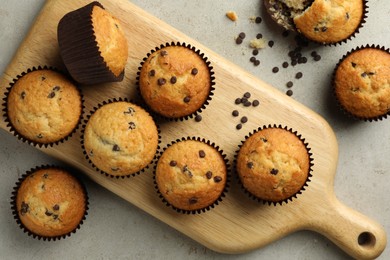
252 19
258 43
232 15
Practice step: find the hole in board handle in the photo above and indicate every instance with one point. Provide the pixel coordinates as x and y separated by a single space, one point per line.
366 239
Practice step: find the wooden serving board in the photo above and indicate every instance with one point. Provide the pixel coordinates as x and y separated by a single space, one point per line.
238 224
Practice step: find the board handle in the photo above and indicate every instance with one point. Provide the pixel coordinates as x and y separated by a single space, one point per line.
358 235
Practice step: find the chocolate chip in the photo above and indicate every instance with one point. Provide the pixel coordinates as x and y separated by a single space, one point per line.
247 103
275 69
371 73
116 148
198 118
173 80
23 95
256 63
129 111
202 154
353 64
271 44
294 62
347 16
239 126
238 40
209 174
193 200
116 25
48 213
363 75
324 29
313 53
235 113
194 71
274 171
285 64
24 208
152 73
237 101
264 139
56 207
244 119
298 75
258 19
259 36
249 165
43 78
45 176
289 84
289 92
252 59
217 179
255 103
51 95
172 163
56 88
255 52
164 53
161 81
55 216
241 35
317 57
247 94
186 99
132 126
302 60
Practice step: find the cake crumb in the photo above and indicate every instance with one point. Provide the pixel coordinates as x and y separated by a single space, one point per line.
257 43
232 15
252 19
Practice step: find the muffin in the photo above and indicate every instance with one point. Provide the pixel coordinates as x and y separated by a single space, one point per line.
361 82
273 164
37 107
93 45
120 138
49 203
175 81
191 175
322 21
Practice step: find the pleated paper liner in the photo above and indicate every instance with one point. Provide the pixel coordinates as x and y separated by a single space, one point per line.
88 154
79 49
25 208
52 94
339 104
208 176
195 112
287 199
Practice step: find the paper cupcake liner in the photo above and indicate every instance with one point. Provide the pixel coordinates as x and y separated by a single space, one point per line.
212 82
79 49
15 211
11 127
294 196
86 154
222 195
341 107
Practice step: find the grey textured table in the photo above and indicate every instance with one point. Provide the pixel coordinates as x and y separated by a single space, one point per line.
114 229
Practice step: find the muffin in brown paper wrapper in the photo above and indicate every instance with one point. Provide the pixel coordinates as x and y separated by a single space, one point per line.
79 47
49 203
191 175
273 164
318 20
43 106
120 139
176 81
360 83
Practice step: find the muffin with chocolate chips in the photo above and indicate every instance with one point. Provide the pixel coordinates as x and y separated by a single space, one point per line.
361 82
322 21
191 175
43 107
273 164
120 138
49 203
175 81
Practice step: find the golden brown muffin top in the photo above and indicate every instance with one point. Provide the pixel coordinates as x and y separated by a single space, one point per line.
110 39
330 21
362 83
44 106
51 202
175 81
121 138
273 164
191 175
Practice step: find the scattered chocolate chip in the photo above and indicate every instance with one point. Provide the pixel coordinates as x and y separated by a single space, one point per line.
209 174
217 179
371 73
363 75
152 73
116 148
48 213
256 63
244 119
353 64
271 44
317 57
129 111
274 171
238 40
186 99
194 71
193 200
56 207
132 126
43 187
55 216
43 78
161 81
56 88
45 176
243 100
172 163
313 53
289 84
252 59
247 94
24 208
249 165
164 53
237 101
259 36
255 52
258 19
247 103
116 25
347 15
298 75
285 64
264 139
202 154
173 80
275 69
51 95
198 118
239 126
289 92
302 60
324 29
23 95
241 35
255 103
294 62
235 113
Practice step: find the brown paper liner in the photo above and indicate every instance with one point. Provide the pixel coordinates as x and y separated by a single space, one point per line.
15 211
294 196
212 82
217 201
13 130
86 154
79 49
341 107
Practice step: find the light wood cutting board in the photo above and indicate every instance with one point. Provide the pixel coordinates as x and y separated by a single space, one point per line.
238 224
